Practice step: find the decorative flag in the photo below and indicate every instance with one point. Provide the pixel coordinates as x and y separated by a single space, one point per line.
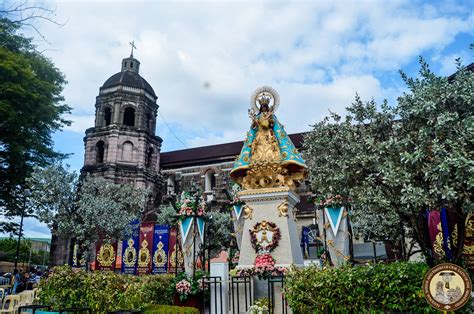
145 248
446 235
105 255
130 249
334 215
237 211
201 224
174 248
468 249
185 225
160 249
436 235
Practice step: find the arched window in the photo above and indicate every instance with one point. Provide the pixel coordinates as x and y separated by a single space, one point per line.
99 150
210 181
129 116
107 116
127 151
149 158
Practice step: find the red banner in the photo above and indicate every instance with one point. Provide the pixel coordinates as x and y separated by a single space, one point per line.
468 249
105 255
145 247
174 243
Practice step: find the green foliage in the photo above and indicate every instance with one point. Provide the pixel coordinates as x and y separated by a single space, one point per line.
393 162
395 287
169 309
86 209
32 108
103 291
8 250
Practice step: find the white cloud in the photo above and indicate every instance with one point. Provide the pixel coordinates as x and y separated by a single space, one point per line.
317 55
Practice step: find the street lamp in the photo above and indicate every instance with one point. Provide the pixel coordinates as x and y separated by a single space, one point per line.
26 193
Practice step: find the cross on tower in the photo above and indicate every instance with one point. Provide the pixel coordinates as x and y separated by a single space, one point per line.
132 43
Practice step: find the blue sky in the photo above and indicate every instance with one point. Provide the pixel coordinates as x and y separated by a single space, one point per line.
205 59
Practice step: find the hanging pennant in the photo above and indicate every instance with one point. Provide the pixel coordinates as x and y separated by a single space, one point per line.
237 211
201 224
185 226
160 249
334 216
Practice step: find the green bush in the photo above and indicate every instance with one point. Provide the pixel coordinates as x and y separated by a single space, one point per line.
103 291
169 309
395 287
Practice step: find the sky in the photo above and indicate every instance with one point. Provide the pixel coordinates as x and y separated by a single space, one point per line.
204 59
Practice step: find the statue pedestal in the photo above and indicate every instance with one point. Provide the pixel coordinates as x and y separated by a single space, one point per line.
269 205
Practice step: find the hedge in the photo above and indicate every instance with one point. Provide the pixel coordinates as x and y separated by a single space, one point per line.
395 287
169 309
103 291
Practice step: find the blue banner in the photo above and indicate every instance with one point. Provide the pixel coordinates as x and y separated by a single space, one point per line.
160 249
130 249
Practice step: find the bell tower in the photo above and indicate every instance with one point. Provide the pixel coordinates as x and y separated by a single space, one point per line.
122 145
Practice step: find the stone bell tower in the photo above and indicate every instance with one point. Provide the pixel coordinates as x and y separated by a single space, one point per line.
122 145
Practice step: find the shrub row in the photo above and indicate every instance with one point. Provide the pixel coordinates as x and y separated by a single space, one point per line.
103 291
395 287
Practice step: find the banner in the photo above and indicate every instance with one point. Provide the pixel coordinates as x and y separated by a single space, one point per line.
130 249
160 249
174 248
237 211
334 216
145 248
186 225
105 253
201 224
468 249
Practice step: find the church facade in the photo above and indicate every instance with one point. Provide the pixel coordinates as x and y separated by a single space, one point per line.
122 147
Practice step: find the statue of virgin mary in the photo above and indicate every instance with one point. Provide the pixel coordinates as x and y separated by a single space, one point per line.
268 157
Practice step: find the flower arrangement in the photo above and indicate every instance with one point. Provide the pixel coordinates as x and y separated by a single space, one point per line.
186 286
260 306
333 201
264 267
188 206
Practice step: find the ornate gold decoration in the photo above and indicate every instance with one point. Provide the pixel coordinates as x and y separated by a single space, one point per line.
266 96
144 255
283 209
106 255
160 258
173 258
264 174
130 255
248 212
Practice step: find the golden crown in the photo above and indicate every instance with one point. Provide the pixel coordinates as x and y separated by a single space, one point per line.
264 99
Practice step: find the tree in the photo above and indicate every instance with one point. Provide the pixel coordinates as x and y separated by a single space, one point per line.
393 162
86 210
31 107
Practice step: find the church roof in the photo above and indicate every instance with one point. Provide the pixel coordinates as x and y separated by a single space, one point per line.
210 154
131 79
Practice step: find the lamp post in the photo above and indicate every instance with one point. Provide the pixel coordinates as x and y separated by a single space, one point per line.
26 193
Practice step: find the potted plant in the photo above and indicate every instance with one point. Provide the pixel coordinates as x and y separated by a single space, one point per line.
189 290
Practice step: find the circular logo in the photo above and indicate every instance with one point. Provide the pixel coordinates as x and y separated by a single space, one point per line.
447 287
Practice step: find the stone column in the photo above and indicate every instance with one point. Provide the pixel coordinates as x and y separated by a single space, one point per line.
272 205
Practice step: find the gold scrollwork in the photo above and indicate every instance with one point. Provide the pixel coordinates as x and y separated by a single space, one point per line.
106 256
144 255
160 258
283 209
248 212
130 254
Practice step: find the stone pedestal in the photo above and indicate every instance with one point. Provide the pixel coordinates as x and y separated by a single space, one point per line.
272 205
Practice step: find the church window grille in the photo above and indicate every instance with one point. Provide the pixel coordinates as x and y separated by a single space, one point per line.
127 151
129 117
107 116
148 121
100 148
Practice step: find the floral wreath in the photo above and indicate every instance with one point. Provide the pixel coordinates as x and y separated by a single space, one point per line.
276 236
